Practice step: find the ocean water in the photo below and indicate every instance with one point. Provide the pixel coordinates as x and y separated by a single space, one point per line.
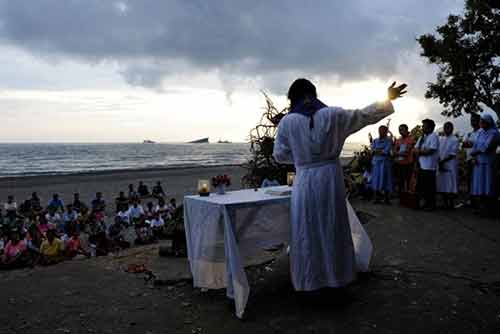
40 159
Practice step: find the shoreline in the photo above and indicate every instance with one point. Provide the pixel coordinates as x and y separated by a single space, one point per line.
8 178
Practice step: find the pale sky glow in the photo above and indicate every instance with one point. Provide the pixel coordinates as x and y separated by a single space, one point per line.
136 73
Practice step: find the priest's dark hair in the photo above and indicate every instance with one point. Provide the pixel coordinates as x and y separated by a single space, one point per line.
300 89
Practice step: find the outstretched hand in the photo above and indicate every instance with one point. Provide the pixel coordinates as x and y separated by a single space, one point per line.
394 92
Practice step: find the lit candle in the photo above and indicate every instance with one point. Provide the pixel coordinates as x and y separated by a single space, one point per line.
203 187
290 178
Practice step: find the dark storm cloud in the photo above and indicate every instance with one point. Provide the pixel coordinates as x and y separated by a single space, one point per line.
350 39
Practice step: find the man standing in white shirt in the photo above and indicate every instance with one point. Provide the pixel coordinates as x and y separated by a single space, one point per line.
469 141
427 151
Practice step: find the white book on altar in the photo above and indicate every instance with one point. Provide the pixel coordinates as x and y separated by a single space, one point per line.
279 191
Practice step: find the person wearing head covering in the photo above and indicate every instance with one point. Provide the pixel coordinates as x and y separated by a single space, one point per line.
468 142
447 173
483 175
427 151
381 181
311 136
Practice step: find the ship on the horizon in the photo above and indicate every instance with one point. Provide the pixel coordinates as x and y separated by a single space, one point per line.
199 141
223 141
148 141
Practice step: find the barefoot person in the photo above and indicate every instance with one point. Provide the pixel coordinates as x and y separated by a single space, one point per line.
311 137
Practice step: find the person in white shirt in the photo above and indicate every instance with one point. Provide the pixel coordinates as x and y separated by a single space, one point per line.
157 224
136 213
427 151
468 143
447 173
10 208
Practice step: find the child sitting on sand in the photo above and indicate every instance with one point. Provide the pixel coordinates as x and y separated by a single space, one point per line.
121 202
136 213
99 206
157 225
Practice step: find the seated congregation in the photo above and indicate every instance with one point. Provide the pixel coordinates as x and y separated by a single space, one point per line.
32 234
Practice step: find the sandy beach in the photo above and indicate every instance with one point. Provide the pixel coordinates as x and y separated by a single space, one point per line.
176 182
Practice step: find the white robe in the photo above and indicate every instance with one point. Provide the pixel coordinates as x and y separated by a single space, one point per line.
447 179
321 245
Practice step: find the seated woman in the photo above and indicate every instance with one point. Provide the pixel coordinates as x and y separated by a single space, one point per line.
15 254
97 237
51 249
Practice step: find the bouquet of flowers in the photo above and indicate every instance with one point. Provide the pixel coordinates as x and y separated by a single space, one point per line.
220 180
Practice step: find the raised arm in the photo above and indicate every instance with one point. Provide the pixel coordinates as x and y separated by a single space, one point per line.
351 121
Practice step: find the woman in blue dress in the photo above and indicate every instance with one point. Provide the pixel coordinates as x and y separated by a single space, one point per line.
382 166
483 175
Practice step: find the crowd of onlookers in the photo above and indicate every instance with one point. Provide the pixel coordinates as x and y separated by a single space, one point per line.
429 166
32 233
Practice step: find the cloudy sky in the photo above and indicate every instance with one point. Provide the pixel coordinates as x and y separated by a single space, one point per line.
124 71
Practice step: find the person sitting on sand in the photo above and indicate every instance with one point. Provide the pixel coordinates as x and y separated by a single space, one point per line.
10 208
121 202
158 191
144 234
15 252
43 225
157 225
136 213
56 203
53 217
162 208
78 205
172 206
132 194
69 216
382 166
142 190
115 233
149 211
123 217
73 246
52 249
36 203
99 206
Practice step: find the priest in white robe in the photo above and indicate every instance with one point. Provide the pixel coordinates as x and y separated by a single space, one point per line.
447 174
311 137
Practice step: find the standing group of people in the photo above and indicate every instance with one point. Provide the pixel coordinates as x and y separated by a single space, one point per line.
429 165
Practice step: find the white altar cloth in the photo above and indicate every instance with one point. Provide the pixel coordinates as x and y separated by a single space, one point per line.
223 231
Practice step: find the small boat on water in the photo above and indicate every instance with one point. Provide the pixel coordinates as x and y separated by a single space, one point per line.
199 141
147 141
223 142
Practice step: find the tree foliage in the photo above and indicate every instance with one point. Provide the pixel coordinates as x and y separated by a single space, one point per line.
467 52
